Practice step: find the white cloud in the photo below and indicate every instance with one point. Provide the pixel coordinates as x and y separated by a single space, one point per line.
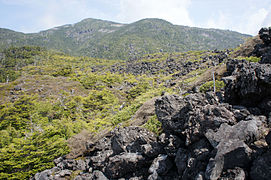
221 21
248 22
267 19
17 2
174 11
254 21
57 13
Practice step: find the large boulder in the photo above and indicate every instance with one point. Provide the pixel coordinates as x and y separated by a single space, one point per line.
249 84
265 35
124 165
134 139
261 169
246 131
231 145
263 50
160 166
189 117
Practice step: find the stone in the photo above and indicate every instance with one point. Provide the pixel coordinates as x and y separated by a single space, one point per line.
44 175
160 165
131 139
234 174
98 175
268 138
261 168
17 88
235 153
64 173
191 116
251 85
123 165
265 35
247 131
214 169
181 160
99 159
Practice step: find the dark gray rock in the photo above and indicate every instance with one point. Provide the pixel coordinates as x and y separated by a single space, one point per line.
172 144
198 155
247 131
131 139
124 164
261 169
266 58
265 35
268 138
231 149
167 110
65 172
214 169
234 154
233 174
98 175
263 50
160 165
44 175
240 112
99 159
181 160
191 116
251 87
265 105
85 176
229 155
17 88
200 176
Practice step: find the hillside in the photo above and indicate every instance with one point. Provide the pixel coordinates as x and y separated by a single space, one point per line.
53 104
47 98
196 134
110 40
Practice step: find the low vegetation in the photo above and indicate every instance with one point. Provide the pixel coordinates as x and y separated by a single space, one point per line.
209 86
48 97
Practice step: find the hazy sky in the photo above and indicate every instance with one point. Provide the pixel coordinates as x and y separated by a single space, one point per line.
246 16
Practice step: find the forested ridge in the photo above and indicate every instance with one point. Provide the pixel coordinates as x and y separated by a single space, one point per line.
111 40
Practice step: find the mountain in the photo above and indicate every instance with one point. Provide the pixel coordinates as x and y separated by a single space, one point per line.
110 40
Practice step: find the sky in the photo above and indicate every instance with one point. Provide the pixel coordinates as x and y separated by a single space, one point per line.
29 16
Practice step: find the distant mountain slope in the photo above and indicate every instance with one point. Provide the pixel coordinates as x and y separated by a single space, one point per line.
105 39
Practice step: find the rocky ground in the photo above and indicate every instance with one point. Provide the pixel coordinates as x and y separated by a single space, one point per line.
224 135
173 63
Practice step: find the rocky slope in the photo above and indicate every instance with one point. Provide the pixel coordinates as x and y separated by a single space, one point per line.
263 49
105 39
224 135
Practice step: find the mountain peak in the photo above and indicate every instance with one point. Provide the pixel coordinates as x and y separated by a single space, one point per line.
112 40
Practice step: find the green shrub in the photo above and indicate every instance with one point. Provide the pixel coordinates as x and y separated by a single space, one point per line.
64 71
250 59
138 90
14 59
125 114
153 125
209 86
